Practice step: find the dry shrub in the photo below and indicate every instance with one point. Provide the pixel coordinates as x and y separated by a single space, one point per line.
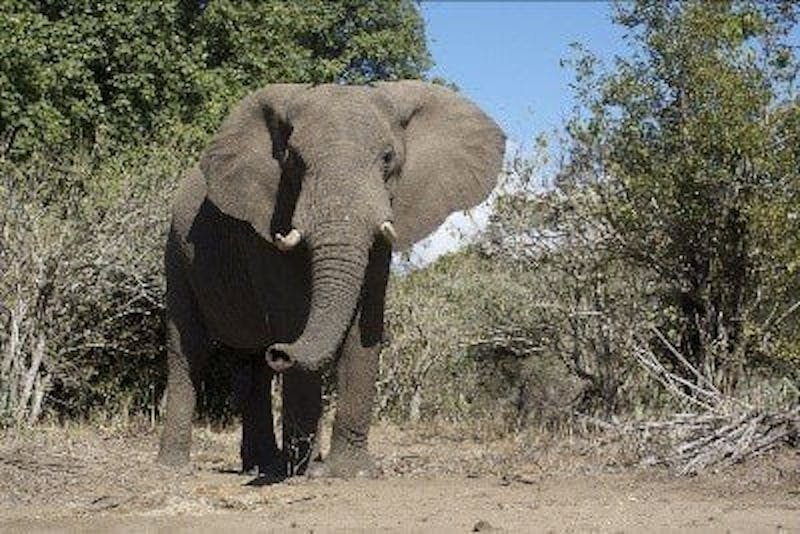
529 326
540 321
426 329
453 355
82 285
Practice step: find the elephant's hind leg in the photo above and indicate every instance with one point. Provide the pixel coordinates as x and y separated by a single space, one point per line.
259 451
187 355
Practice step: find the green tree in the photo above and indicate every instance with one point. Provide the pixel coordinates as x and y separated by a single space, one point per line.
691 144
97 73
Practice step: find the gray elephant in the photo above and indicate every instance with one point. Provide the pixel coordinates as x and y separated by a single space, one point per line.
280 246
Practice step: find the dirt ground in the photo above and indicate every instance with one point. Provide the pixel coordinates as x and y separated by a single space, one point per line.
435 479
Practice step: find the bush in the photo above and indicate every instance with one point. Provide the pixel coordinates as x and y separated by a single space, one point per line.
544 319
688 145
83 283
468 341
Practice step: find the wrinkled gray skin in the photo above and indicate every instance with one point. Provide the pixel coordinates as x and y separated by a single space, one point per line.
334 163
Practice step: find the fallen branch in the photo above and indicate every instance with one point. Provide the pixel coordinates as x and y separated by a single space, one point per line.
724 431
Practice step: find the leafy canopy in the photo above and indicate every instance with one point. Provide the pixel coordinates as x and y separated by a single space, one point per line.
81 72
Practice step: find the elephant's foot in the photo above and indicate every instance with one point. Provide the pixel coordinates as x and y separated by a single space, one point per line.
272 466
176 462
173 457
347 464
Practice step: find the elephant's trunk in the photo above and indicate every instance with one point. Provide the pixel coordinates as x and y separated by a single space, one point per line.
338 263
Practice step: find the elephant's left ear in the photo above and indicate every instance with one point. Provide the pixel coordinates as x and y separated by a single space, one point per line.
453 156
243 163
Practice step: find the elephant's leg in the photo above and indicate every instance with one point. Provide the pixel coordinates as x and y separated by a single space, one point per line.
187 355
259 451
356 376
302 409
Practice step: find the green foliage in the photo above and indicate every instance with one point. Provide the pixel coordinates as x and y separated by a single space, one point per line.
691 148
775 213
101 73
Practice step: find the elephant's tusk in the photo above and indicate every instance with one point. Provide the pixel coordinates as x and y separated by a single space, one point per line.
388 231
289 241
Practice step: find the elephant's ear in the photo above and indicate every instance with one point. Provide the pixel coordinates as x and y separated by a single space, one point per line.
453 156
242 165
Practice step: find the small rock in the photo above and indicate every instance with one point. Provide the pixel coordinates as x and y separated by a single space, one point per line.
482 526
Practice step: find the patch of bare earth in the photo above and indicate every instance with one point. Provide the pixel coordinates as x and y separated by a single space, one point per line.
435 479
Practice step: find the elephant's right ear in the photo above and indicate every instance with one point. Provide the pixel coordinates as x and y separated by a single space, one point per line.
242 165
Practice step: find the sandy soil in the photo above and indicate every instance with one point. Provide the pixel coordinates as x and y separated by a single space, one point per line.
89 479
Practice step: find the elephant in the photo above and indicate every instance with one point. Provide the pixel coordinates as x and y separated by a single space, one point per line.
279 252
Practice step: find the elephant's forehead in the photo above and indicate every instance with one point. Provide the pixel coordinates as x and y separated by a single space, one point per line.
334 114
337 91
335 103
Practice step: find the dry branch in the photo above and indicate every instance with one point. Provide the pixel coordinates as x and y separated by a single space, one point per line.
725 430
693 443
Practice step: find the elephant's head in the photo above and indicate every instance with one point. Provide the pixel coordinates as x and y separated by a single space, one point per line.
340 166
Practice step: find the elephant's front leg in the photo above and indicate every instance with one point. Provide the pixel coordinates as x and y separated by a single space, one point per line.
186 359
187 356
357 373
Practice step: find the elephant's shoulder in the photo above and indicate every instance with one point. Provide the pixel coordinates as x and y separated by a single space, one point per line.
188 200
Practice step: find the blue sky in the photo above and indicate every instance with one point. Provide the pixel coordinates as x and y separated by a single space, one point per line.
505 55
